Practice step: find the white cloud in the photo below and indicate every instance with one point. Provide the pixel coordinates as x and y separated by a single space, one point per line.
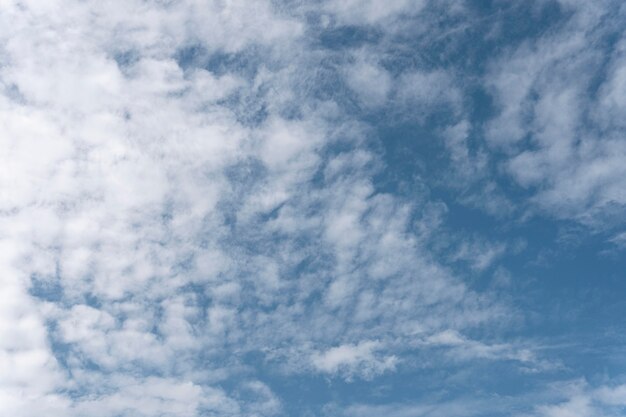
422 93
174 235
371 11
30 371
157 396
463 408
563 399
578 399
463 349
544 91
479 254
354 359
611 395
370 82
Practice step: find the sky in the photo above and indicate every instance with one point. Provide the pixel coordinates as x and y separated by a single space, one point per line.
323 208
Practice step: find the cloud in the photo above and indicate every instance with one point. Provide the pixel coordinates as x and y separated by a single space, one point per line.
581 400
370 11
191 193
31 372
480 255
354 359
174 202
563 399
459 409
462 348
371 82
554 92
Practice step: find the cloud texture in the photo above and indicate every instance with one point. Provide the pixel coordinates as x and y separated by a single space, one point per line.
196 199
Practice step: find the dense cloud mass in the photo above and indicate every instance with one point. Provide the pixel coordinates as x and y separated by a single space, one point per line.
325 208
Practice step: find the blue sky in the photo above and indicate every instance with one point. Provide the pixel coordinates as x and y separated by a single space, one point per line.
332 208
